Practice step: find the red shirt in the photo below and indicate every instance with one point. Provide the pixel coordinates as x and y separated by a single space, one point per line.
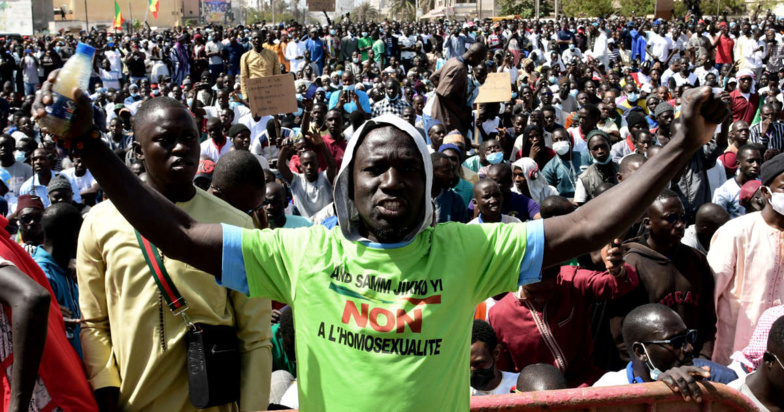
724 50
337 148
61 369
561 334
743 109
294 163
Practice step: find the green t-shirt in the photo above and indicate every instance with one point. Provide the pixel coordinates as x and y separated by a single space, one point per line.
362 43
378 49
280 360
383 326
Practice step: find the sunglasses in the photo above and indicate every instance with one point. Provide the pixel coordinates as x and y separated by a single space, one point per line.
673 217
679 341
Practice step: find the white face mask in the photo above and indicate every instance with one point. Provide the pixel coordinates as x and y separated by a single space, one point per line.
776 201
561 147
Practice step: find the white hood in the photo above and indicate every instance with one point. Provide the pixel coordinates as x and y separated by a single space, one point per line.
348 216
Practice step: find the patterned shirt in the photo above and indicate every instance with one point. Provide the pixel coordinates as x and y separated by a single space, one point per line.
257 64
387 106
774 139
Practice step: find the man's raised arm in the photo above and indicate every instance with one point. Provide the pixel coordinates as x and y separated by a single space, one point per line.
603 218
155 217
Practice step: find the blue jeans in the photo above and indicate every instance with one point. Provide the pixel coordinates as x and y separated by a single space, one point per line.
29 88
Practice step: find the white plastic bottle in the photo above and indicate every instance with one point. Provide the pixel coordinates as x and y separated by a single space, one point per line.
75 73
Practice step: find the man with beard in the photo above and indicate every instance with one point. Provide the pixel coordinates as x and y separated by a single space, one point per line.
671 273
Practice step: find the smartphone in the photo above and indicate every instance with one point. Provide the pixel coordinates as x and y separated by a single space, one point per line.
311 91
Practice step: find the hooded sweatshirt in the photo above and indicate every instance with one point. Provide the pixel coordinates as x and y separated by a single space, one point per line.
682 281
397 307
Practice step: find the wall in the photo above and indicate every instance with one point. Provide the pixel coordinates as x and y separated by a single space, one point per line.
102 11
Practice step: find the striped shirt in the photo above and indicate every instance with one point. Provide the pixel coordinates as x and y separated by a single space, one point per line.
774 139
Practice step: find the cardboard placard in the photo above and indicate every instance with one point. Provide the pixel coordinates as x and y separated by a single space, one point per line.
321 5
497 88
272 95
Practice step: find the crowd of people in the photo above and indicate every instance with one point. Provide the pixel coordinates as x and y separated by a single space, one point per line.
619 220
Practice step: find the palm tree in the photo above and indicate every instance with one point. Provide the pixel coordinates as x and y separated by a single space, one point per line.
365 12
426 5
403 9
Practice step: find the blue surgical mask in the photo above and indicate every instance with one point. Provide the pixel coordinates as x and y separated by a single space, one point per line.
599 162
633 97
573 92
348 87
189 101
553 80
495 158
19 156
393 99
571 46
514 95
652 369
298 113
364 34
332 32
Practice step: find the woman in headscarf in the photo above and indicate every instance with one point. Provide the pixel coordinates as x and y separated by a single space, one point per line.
180 60
529 181
533 146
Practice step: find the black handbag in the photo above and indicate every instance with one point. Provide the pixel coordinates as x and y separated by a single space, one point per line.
213 354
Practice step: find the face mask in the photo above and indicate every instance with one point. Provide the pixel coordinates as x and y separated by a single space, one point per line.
19 156
190 102
561 148
495 158
571 47
553 80
480 378
573 92
633 97
298 113
234 104
332 32
356 60
348 87
514 95
598 162
392 99
364 34
777 201
134 95
653 370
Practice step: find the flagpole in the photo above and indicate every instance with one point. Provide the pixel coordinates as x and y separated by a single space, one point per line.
147 10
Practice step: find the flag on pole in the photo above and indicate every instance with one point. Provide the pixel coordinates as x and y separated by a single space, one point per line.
154 6
118 18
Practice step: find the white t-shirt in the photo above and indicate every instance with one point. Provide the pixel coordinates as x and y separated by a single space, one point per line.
213 47
740 386
508 381
110 79
580 145
660 46
310 197
82 182
504 219
209 148
617 378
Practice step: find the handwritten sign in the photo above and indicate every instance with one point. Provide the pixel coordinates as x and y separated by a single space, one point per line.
497 88
321 5
272 95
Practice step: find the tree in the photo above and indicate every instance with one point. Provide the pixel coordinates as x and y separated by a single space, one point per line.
524 8
590 8
365 12
403 9
641 7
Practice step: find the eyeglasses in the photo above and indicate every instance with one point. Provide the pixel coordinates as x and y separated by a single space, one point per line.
674 217
679 341
256 209
775 357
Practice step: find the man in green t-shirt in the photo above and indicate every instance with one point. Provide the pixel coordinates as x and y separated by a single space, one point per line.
383 304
